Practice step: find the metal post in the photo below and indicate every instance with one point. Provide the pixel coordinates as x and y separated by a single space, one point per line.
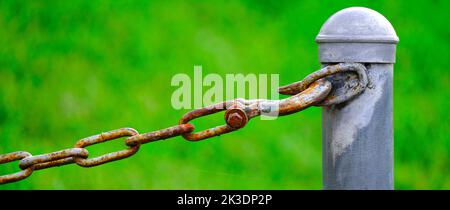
358 134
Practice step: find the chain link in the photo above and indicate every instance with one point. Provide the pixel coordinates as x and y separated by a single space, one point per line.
332 98
53 159
240 111
316 89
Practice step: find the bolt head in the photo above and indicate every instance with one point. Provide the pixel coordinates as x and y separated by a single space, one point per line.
236 118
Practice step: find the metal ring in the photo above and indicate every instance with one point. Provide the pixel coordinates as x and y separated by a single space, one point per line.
103 137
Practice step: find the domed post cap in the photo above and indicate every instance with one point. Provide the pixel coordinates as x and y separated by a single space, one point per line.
357 34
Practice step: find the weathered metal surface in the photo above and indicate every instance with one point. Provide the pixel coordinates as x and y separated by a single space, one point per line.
340 93
52 159
13 156
54 163
357 134
107 136
236 118
357 34
78 154
208 110
159 135
316 93
240 111
312 95
313 91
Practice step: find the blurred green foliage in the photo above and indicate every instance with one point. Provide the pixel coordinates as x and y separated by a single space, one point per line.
70 69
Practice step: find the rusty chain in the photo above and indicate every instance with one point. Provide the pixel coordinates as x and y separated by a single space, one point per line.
314 90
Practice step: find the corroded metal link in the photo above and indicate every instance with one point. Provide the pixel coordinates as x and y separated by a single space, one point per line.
13 156
315 89
315 93
300 86
52 159
107 136
240 111
159 135
208 133
54 163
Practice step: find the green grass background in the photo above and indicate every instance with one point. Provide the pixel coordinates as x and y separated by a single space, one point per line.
71 69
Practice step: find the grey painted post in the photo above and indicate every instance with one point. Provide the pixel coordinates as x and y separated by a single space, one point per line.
358 134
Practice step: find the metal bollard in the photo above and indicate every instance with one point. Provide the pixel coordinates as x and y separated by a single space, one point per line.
358 134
